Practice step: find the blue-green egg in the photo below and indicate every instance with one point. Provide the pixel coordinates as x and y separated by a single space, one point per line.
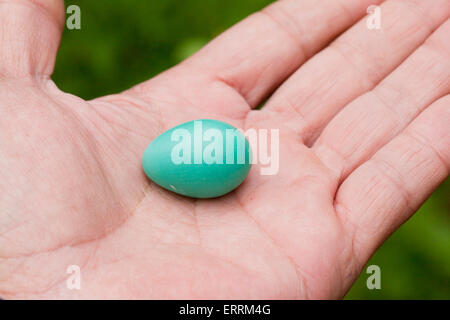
199 159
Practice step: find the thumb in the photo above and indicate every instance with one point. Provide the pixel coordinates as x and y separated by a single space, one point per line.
30 31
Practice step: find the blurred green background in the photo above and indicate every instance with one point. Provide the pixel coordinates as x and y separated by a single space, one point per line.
123 42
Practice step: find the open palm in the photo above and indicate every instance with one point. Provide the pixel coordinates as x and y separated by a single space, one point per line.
364 140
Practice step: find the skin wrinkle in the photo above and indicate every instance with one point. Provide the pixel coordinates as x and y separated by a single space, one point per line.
195 202
199 245
254 102
396 181
349 13
301 118
341 272
435 46
114 261
111 138
116 123
406 195
56 283
401 122
35 5
332 45
144 106
202 249
197 226
95 241
74 244
415 7
235 88
342 159
70 244
98 162
57 19
269 12
313 130
174 98
351 268
9 230
113 230
356 264
250 272
304 52
193 106
422 141
367 79
146 194
302 288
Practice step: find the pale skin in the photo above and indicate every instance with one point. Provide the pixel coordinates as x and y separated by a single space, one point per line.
364 140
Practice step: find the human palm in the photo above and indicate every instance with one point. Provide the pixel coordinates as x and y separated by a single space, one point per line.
364 140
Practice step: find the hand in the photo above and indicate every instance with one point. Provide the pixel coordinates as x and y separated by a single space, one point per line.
364 140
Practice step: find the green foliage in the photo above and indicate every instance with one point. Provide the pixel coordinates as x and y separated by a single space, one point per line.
124 42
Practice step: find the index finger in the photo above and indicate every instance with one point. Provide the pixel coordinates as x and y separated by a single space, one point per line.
260 52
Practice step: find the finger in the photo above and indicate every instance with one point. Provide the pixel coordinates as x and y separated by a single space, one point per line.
372 120
386 190
30 32
355 63
257 54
